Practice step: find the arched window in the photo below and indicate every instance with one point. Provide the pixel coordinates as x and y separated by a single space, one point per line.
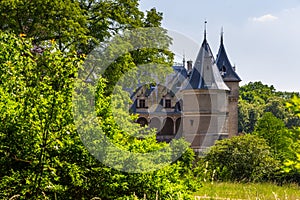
168 127
155 123
142 121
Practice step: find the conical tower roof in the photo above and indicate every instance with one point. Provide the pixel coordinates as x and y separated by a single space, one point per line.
205 73
224 65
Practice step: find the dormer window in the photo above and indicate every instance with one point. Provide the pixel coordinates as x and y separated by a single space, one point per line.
142 103
168 103
223 71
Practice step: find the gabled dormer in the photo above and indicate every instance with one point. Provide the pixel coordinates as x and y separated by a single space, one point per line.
226 70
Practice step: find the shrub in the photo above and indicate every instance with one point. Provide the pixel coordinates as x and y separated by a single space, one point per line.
241 158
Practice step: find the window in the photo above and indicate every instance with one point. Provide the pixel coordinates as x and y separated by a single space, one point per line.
168 103
223 71
142 103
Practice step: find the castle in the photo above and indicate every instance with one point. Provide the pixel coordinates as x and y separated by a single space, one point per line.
199 103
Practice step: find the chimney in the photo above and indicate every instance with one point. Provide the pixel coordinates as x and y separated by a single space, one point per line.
189 65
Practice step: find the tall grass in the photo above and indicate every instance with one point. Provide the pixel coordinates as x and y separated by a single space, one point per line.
249 191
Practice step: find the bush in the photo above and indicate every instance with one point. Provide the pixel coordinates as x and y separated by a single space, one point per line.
241 158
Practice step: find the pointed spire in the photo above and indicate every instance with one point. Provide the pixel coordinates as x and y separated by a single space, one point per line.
227 70
222 33
205 22
183 60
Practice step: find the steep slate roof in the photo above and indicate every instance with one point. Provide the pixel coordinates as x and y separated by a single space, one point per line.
180 70
224 65
205 73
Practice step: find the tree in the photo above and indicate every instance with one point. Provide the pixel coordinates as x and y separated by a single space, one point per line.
256 92
37 122
248 114
273 130
86 26
75 25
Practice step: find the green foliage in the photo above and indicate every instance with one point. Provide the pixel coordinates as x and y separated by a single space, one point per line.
247 116
75 25
274 127
292 163
37 121
241 158
256 92
136 54
41 153
275 133
294 105
256 99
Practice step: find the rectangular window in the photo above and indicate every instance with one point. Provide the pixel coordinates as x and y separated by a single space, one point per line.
168 103
142 103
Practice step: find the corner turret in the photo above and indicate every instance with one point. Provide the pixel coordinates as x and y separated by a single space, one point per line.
227 71
232 80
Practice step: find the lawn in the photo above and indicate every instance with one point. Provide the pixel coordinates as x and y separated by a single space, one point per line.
249 191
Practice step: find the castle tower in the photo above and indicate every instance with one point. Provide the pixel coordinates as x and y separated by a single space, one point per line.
232 80
205 99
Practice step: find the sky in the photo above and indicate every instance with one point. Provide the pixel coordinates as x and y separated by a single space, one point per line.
261 37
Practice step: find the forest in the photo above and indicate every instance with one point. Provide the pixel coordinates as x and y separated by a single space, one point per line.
44 46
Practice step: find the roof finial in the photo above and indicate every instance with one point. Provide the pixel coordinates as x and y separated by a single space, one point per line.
183 60
205 22
222 33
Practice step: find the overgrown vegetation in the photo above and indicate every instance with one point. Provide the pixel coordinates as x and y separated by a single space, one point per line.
41 153
268 150
42 47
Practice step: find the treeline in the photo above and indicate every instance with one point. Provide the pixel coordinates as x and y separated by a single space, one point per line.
267 148
256 99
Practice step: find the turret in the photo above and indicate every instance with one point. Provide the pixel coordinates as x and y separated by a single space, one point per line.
204 102
232 80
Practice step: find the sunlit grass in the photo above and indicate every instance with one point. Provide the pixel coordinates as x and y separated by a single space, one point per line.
249 191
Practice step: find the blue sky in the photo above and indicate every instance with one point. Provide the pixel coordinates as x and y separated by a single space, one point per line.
262 38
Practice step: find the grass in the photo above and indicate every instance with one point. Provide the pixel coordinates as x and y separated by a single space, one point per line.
249 191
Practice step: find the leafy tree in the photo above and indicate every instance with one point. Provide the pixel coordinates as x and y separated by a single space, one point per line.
253 98
84 26
273 130
75 25
256 92
276 106
248 115
37 123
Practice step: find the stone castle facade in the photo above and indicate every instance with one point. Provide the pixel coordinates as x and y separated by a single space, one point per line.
198 102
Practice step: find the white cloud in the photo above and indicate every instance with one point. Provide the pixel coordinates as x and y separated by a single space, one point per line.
265 18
